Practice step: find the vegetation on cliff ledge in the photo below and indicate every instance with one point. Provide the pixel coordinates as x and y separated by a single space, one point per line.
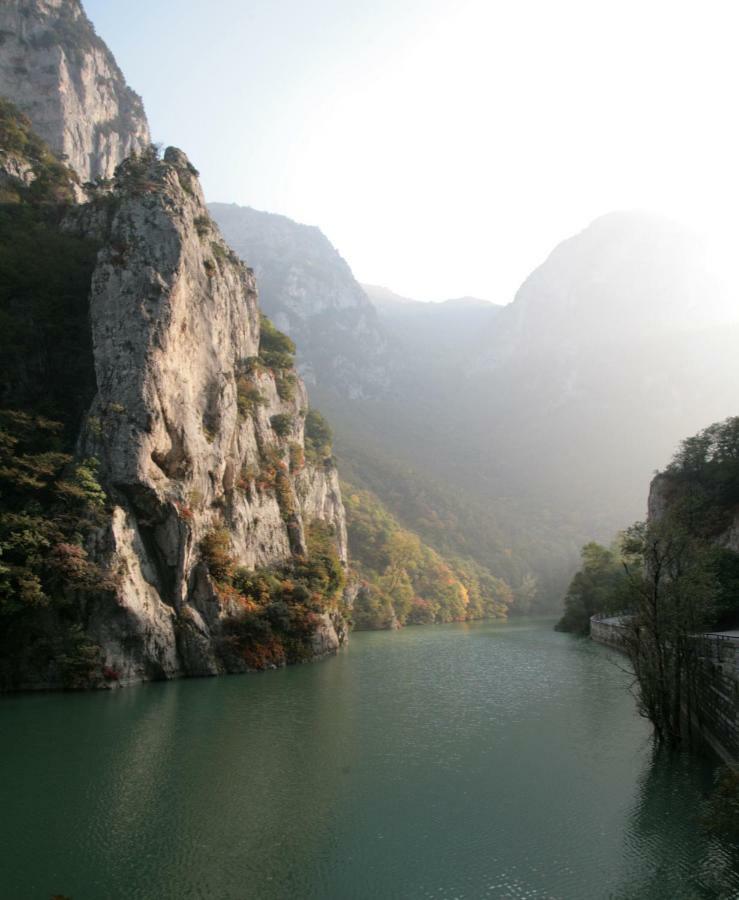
52 181
277 610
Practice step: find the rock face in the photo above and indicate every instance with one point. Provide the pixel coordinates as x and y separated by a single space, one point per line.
194 436
663 492
310 293
63 77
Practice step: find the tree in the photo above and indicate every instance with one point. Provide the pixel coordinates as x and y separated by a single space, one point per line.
318 436
599 586
673 590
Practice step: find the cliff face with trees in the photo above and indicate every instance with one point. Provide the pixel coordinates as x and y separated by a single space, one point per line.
61 74
168 500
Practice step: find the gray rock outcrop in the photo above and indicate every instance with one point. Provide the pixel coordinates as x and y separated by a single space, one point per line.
63 77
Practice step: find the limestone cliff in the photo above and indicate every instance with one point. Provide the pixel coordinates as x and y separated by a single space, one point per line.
168 502
63 77
218 538
192 431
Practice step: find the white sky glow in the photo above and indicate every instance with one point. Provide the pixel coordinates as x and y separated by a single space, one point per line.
445 148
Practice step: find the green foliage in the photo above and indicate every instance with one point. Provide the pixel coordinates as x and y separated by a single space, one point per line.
286 383
84 486
136 175
600 586
673 592
248 396
281 424
219 250
318 437
457 524
672 576
215 551
53 182
203 225
407 582
46 504
703 478
276 350
277 353
297 457
285 496
49 504
701 492
80 661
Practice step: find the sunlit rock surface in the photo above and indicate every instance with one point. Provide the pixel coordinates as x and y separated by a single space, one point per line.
63 77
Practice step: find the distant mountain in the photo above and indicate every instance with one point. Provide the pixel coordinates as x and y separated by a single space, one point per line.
627 272
434 332
383 298
310 293
613 348
515 433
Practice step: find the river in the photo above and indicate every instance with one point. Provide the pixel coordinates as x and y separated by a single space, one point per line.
461 761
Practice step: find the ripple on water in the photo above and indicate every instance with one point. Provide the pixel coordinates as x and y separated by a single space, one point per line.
501 761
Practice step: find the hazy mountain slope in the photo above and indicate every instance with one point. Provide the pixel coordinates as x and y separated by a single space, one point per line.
516 433
434 333
310 293
404 581
380 380
612 349
626 273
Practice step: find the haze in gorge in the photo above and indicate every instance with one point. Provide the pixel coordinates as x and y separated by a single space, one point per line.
387 351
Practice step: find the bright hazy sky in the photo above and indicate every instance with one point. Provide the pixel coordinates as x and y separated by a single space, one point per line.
445 147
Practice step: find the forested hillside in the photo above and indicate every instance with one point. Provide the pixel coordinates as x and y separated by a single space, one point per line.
404 581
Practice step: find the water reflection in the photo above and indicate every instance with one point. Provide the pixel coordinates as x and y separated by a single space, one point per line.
669 854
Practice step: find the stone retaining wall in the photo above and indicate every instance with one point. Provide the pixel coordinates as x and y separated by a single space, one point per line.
716 716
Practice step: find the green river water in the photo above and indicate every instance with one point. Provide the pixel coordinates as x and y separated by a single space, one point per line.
461 761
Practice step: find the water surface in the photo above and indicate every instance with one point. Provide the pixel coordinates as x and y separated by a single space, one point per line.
463 761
